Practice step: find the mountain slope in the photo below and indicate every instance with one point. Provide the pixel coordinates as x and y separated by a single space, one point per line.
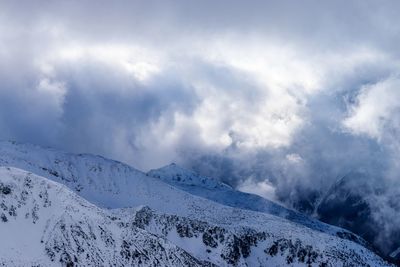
61 228
111 184
44 223
214 190
351 202
280 243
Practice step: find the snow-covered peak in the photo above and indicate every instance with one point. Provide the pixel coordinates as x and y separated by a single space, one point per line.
176 175
46 224
43 223
184 224
111 184
212 189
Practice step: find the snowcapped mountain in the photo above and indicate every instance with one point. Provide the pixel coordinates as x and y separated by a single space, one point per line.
111 184
86 210
45 224
219 192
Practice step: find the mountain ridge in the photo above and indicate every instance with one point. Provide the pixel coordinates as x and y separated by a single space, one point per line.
184 219
106 182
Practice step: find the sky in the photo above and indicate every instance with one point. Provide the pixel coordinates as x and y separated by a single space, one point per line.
279 98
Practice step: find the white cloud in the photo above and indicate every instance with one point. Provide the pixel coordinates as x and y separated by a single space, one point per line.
261 188
376 109
54 93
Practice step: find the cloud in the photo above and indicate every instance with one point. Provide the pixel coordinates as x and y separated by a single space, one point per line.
178 78
261 188
376 109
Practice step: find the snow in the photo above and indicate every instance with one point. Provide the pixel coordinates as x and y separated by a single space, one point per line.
53 226
219 192
84 201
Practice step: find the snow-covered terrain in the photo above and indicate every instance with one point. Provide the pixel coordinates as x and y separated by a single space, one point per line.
214 190
45 223
84 210
111 184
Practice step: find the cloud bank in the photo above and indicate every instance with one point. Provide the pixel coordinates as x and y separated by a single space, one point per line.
273 97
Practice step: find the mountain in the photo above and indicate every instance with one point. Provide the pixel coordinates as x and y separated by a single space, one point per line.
111 184
86 210
350 203
219 192
61 228
45 224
